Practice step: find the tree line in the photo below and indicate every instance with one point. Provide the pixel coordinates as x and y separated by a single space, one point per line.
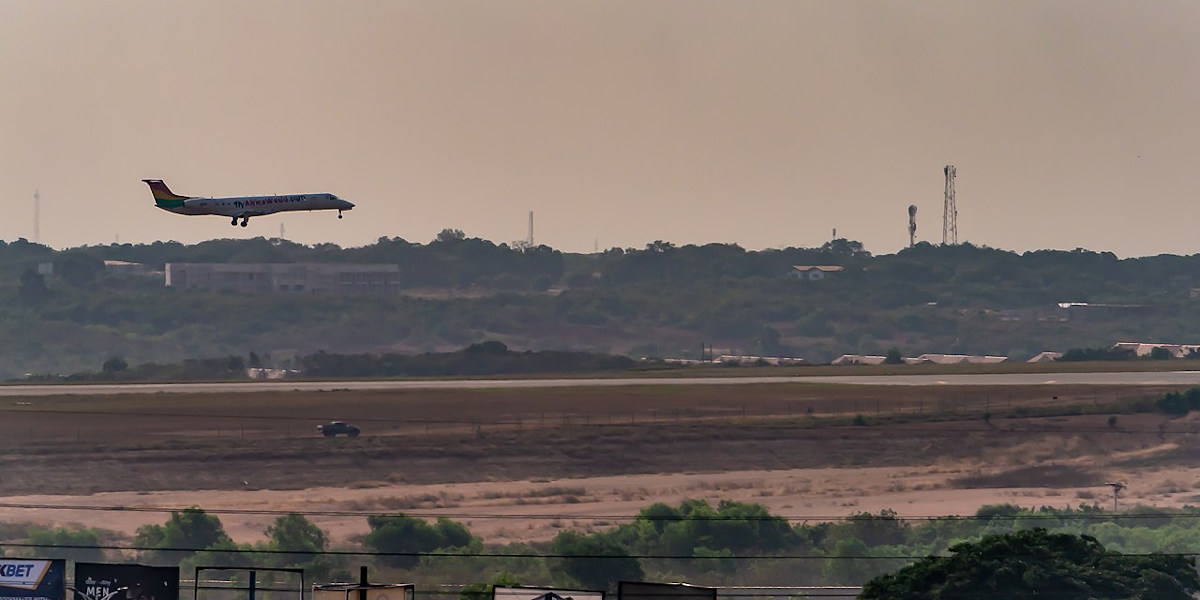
732 543
485 358
662 300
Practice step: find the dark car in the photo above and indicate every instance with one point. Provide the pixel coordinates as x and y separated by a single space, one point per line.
335 428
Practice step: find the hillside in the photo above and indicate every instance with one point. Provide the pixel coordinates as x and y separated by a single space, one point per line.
662 300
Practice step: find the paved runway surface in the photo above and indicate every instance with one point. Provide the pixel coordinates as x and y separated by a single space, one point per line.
1182 378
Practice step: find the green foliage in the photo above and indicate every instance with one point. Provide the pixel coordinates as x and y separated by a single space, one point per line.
461 290
72 544
594 562
183 535
294 532
1036 563
114 365
33 291
407 537
483 591
894 357
487 358
1179 403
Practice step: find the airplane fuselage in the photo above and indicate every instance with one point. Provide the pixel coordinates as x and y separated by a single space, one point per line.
258 205
242 207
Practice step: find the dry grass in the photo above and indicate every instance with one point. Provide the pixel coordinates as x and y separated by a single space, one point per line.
1048 476
80 445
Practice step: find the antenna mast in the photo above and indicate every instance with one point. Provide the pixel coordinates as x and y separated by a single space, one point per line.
37 217
529 240
950 211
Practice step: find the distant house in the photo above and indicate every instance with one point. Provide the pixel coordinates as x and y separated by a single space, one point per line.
815 272
955 359
1046 356
120 268
858 359
1144 349
738 359
336 278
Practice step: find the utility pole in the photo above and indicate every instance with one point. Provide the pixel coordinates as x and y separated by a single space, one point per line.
37 217
1117 487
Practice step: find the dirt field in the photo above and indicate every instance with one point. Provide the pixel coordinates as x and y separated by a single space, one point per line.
525 464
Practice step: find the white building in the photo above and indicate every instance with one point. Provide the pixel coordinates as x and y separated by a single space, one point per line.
337 278
815 272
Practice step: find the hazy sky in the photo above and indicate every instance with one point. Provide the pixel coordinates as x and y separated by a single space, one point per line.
767 124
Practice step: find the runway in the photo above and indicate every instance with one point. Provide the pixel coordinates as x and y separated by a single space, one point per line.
1171 378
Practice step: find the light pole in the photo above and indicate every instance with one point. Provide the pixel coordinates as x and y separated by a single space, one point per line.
1117 487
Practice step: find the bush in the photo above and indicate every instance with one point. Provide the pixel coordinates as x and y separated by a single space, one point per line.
1179 403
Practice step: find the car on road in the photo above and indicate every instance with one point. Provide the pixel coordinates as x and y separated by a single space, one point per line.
336 428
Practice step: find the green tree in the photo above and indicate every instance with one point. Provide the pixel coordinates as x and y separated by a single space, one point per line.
894 357
1035 563
184 534
114 365
407 537
73 544
596 562
295 532
483 591
33 291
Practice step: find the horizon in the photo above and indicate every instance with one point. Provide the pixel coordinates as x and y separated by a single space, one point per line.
600 251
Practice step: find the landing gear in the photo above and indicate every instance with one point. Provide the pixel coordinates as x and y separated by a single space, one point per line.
339 214
245 220
234 222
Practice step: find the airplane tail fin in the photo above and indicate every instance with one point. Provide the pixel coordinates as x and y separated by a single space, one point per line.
163 196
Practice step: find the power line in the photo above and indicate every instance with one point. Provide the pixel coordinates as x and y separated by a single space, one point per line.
864 517
444 554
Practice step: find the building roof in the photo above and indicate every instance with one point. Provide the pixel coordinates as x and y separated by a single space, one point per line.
1047 356
957 359
1144 348
825 268
858 359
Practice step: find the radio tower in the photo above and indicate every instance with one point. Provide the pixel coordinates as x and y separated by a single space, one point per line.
950 212
529 240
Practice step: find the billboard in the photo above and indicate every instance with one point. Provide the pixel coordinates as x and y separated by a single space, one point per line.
505 592
99 581
370 591
30 579
637 590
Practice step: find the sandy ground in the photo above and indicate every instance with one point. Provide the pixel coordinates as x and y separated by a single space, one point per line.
526 511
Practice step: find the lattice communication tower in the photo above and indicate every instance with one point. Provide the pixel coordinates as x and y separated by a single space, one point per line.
950 212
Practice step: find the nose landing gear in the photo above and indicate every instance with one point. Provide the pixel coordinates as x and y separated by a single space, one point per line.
339 214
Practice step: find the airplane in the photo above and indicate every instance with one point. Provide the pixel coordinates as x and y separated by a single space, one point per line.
242 207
